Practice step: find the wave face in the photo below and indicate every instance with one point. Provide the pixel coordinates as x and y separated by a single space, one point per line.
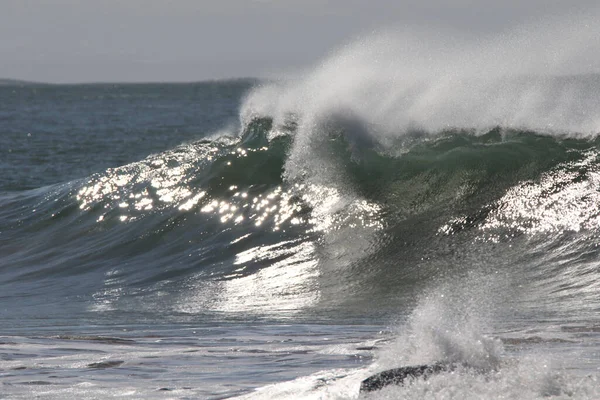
216 225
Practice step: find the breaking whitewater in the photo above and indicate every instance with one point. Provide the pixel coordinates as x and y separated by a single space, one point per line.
415 199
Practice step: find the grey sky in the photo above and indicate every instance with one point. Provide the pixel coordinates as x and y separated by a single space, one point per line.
190 40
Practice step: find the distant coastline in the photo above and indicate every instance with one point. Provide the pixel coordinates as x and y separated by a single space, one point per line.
20 82
17 82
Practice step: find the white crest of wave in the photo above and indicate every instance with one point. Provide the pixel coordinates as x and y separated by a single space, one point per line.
538 77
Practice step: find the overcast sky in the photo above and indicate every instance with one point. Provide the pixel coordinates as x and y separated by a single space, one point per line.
192 40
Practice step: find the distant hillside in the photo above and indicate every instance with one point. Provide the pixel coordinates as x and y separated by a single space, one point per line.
16 82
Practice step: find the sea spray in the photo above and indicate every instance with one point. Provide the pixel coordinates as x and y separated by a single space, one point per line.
393 83
451 324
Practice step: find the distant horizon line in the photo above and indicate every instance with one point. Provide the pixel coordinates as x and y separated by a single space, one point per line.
25 82
13 81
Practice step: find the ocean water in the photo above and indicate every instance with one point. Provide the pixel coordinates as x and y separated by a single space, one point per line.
285 240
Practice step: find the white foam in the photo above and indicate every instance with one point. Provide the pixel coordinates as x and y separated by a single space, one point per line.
448 325
527 379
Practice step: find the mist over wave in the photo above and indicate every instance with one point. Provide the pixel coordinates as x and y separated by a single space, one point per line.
383 87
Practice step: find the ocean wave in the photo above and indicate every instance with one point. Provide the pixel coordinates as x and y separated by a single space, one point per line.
209 215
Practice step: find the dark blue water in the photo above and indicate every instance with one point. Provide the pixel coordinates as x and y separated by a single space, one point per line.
55 134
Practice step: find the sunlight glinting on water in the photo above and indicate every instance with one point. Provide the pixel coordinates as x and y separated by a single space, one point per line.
152 184
328 203
275 207
288 285
563 200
